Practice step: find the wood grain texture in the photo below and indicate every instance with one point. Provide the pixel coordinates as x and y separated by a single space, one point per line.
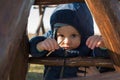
107 17
49 2
103 76
73 62
13 20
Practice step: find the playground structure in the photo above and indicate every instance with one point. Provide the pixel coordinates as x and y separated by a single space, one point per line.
14 49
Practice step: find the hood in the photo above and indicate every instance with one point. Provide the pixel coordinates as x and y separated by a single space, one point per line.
78 16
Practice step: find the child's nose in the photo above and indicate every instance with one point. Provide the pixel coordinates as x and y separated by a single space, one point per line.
66 40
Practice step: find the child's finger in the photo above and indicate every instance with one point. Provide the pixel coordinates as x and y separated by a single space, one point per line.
90 41
93 41
56 46
45 45
51 44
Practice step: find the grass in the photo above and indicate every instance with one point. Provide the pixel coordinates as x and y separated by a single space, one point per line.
35 72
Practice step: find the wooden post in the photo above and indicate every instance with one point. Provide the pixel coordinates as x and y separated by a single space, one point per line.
107 17
13 20
41 26
103 76
49 2
72 62
20 65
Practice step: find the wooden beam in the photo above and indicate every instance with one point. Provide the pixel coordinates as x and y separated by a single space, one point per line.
107 17
77 61
20 64
51 2
103 76
13 20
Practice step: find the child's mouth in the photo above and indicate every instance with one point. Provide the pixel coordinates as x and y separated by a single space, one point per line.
67 48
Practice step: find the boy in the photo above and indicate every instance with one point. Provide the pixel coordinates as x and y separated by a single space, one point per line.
70 30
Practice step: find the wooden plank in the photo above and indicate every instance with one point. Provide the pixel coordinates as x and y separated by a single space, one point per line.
77 61
103 76
13 20
107 17
49 2
20 65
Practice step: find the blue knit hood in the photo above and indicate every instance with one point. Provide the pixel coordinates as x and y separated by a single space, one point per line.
76 15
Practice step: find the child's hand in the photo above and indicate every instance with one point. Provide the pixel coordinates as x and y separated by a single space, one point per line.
48 44
94 41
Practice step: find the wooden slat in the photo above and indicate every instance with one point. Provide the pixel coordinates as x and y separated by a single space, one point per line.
103 76
49 2
13 20
77 61
107 16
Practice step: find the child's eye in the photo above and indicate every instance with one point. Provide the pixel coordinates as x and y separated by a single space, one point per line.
74 35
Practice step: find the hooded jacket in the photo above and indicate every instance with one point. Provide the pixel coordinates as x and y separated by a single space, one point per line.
76 15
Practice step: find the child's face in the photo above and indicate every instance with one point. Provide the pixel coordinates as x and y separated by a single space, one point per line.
70 36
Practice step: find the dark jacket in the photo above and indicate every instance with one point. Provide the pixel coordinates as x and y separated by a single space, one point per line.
78 16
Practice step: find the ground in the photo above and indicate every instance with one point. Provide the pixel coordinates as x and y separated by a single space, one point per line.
35 72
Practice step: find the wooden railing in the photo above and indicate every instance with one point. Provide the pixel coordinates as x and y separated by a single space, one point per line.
76 61
103 76
49 2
